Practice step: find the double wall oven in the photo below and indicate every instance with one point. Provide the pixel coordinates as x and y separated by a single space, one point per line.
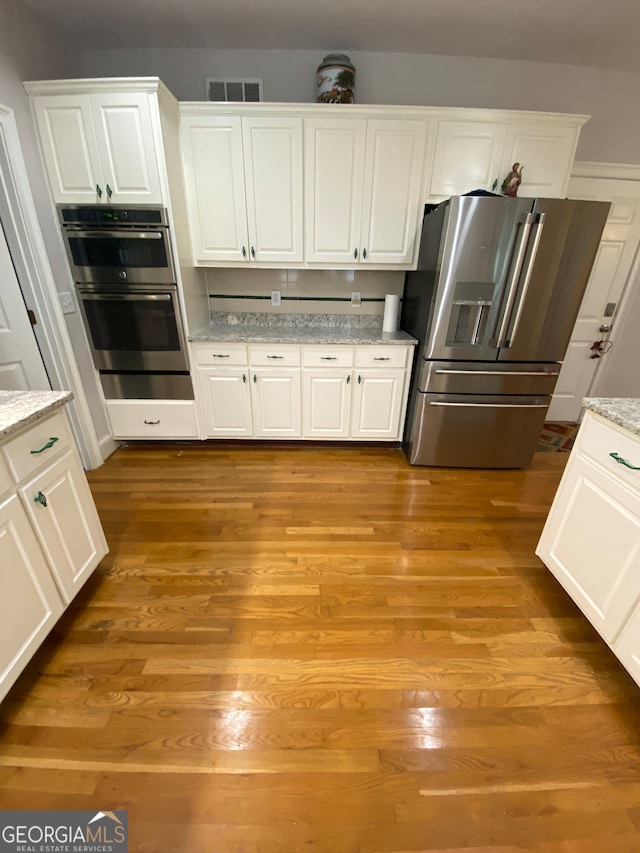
125 279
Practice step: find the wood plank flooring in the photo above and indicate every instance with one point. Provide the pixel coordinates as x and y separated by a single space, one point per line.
322 649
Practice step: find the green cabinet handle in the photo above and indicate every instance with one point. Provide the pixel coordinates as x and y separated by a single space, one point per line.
255 379
99 191
49 444
244 252
253 252
109 191
364 254
348 378
40 499
355 254
624 462
359 379
244 378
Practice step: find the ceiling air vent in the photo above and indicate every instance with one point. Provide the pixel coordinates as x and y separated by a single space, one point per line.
234 90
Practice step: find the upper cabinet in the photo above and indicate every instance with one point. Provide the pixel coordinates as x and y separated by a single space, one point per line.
363 190
99 146
243 179
472 153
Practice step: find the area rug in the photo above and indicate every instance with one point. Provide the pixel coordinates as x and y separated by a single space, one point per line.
557 437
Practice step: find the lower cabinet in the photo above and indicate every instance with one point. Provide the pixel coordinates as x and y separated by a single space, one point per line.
591 540
29 601
51 539
287 391
153 419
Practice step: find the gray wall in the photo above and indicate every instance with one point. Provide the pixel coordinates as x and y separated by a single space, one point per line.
30 51
609 97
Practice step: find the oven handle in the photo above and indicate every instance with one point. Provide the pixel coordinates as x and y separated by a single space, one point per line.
124 297
125 235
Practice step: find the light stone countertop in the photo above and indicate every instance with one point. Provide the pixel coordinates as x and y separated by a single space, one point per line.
18 409
624 411
298 329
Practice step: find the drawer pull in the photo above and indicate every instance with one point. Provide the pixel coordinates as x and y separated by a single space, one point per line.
381 358
49 444
152 423
622 461
275 356
220 355
40 499
328 357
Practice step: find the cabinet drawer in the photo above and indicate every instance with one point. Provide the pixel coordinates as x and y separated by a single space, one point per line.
149 419
37 446
381 356
598 439
5 480
327 356
274 356
221 354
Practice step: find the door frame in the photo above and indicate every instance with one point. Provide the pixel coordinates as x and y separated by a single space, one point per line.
22 230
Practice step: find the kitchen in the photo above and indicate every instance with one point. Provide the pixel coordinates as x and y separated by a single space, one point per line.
510 494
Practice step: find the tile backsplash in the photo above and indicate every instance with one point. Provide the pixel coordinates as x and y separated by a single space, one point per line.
301 291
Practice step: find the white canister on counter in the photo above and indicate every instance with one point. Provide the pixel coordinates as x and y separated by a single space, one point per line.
391 312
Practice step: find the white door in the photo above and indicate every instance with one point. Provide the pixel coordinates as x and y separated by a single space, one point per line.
605 288
468 156
226 402
214 182
377 398
127 148
546 153
334 183
392 203
275 398
29 600
326 403
21 366
69 148
273 178
64 516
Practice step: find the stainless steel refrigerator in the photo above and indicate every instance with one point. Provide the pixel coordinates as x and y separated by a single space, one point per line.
493 303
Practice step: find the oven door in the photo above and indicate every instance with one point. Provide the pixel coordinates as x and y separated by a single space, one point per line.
134 330
106 256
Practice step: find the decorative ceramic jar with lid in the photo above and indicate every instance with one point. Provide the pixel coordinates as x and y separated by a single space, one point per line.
336 79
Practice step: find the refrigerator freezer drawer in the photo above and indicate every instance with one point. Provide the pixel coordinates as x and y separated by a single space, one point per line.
473 377
475 431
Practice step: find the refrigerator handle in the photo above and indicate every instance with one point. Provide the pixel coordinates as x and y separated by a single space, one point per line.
512 285
527 276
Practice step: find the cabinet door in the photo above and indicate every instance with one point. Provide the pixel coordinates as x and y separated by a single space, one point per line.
128 152
392 204
29 600
334 183
275 399
226 402
214 183
326 403
377 403
273 177
591 543
468 156
627 647
545 153
64 516
69 148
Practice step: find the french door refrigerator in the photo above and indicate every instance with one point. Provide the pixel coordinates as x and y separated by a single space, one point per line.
492 303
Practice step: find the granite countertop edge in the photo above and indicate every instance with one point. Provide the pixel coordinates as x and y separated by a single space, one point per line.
299 335
623 411
19 409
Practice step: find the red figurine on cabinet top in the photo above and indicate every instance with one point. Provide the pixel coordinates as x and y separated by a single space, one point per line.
512 181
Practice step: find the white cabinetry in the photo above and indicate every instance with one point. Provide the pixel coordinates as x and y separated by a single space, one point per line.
243 178
473 153
363 190
51 539
340 392
591 540
98 146
153 419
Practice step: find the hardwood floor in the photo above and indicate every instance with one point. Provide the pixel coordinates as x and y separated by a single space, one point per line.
294 648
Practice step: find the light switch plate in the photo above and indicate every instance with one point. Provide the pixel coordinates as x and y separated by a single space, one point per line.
275 297
356 298
66 302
